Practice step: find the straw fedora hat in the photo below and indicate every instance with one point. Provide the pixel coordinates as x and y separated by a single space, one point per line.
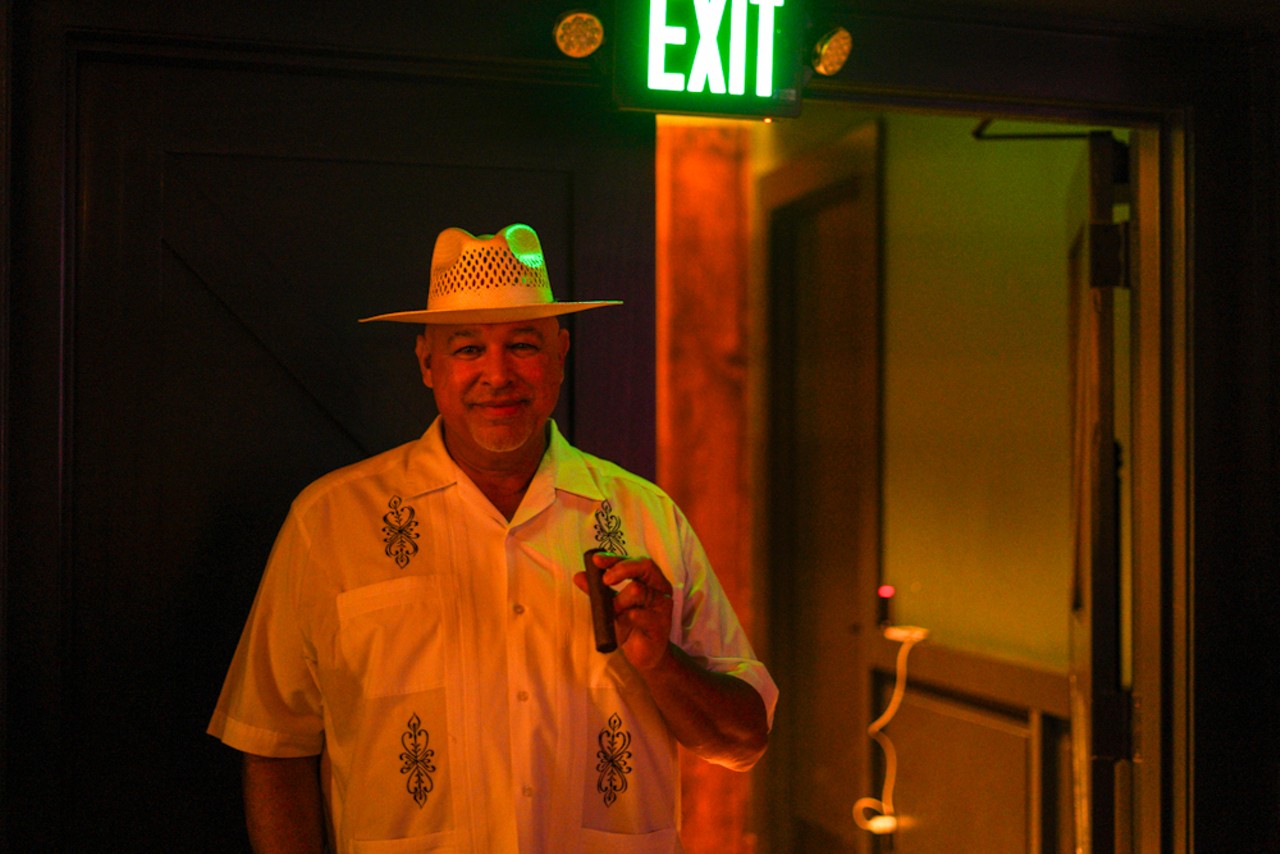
490 278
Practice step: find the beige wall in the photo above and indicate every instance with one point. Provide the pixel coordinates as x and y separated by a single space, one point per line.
977 430
977 441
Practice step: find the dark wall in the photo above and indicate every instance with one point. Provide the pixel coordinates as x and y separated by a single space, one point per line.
204 202
1237 468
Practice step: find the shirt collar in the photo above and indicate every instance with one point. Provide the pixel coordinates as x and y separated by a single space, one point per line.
568 468
429 466
563 467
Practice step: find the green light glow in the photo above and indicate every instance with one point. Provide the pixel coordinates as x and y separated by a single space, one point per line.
707 69
661 35
764 47
738 48
523 243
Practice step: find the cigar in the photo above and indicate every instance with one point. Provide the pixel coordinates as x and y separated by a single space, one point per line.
601 604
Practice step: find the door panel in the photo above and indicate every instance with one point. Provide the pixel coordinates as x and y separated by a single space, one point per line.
227 225
953 739
297 266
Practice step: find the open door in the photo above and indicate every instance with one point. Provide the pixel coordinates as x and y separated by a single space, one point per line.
1100 699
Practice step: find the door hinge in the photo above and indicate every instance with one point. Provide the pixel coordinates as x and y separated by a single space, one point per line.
1108 254
1135 727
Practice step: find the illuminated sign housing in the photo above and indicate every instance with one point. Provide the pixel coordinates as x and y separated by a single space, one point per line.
709 57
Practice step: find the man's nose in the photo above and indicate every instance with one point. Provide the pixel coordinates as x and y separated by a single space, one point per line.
496 367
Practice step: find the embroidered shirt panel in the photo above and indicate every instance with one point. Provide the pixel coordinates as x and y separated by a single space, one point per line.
444 660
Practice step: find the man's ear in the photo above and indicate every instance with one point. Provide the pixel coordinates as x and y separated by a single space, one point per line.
563 340
423 349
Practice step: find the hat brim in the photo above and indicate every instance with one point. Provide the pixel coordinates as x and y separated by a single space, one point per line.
506 314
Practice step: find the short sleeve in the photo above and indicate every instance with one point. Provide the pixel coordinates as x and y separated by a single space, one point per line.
711 631
270 703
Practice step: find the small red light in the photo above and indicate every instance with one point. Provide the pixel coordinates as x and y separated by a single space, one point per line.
885 591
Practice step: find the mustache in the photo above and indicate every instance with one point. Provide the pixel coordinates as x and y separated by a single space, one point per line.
497 401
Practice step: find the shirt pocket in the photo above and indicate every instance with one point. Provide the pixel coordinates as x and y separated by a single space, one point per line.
440 842
391 636
631 771
659 842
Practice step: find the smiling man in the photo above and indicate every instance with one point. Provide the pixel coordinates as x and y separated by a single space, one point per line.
495 386
419 672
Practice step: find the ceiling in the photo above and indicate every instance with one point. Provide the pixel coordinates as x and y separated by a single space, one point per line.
1248 16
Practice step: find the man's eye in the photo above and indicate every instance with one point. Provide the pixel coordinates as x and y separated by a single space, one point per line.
468 351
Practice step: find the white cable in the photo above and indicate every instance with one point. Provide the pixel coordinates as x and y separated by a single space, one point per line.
885 821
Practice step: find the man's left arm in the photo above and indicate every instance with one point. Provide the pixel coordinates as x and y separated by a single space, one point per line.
719 717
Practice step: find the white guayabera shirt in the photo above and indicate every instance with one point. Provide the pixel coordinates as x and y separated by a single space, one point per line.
443 663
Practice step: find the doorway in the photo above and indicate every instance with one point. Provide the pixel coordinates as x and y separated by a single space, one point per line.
939 463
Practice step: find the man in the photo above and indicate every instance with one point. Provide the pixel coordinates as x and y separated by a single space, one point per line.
418 671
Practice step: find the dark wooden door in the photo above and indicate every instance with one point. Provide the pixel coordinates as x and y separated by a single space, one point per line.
824 499
226 216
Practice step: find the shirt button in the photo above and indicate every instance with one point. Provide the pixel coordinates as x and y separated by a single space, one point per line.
518 608
528 791
522 696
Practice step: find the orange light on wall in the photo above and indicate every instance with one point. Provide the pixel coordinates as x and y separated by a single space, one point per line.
702 210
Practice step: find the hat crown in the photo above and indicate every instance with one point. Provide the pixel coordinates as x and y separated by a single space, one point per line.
512 258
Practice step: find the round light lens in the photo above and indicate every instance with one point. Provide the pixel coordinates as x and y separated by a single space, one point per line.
831 51
578 34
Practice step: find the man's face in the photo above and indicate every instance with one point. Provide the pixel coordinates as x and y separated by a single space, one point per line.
495 384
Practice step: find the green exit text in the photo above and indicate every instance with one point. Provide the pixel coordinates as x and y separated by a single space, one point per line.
708 72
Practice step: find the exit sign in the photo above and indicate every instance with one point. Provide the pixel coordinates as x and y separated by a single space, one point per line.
709 57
